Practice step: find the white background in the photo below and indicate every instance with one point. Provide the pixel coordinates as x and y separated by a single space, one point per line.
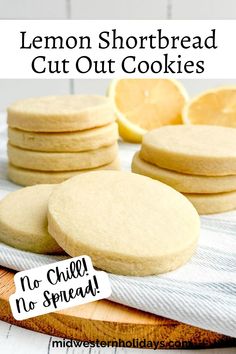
11 90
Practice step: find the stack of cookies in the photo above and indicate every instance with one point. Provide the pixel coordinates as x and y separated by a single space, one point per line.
197 160
54 138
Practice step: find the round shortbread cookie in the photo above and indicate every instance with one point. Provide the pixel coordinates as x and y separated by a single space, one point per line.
60 113
26 177
65 142
23 220
184 182
127 223
213 203
61 161
193 149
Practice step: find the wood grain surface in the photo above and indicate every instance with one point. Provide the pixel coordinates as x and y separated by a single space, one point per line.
105 320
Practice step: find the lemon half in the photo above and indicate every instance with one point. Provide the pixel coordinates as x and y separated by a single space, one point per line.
141 105
212 107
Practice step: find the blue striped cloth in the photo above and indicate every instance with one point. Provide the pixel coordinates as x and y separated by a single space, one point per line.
201 293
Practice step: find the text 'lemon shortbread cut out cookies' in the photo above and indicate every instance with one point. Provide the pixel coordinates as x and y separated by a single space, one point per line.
61 134
143 226
198 160
23 220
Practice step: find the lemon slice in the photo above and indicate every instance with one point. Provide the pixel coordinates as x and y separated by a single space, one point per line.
213 107
145 104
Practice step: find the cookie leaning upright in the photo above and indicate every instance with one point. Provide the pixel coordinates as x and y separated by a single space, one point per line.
58 135
23 220
128 224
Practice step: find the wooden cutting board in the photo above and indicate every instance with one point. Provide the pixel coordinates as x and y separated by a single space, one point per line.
105 320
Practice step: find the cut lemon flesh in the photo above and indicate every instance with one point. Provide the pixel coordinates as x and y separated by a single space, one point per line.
145 104
214 107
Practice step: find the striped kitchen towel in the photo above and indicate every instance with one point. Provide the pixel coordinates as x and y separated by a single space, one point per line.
201 293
